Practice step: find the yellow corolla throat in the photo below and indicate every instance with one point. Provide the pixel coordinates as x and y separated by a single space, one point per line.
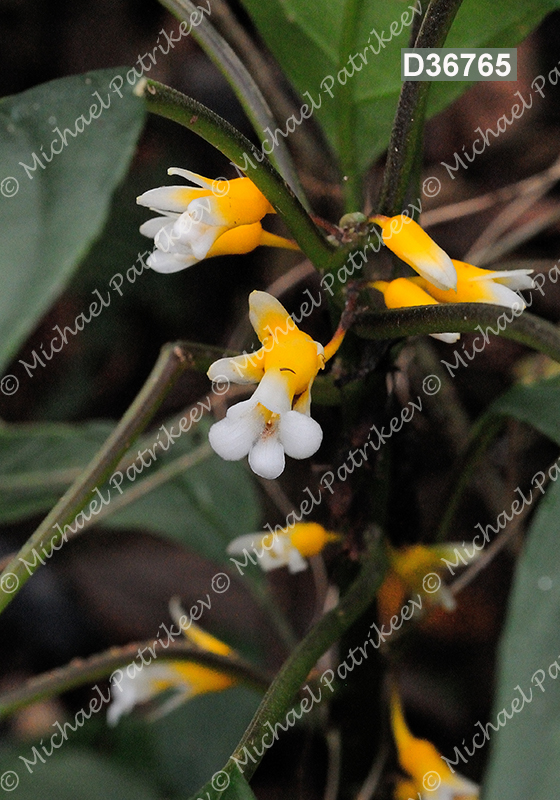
296 357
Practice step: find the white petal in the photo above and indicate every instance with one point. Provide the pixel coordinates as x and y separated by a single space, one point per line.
450 338
300 435
513 278
235 370
168 198
438 270
169 262
195 234
245 542
272 392
297 563
151 227
191 176
207 211
129 692
267 457
500 295
167 240
277 556
233 437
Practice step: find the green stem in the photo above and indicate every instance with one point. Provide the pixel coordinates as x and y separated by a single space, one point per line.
283 690
49 535
526 329
242 83
209 126
407 133
83 671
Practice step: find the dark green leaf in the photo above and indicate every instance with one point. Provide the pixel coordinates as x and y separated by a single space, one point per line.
314 42
525 761
195 741
203 507
71 775
39 462
538 404
51 212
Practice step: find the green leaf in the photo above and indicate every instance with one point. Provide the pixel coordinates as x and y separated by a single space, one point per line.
538 404
52 211
39 462
525 760
195 741
313 42
70 774
202 508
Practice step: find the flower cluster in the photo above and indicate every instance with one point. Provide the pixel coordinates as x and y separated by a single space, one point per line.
429 776
276 419
442 279
217 218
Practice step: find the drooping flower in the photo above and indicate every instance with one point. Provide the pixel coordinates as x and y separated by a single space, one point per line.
411 244
276 419
474 285
418 569
288 547
430 777
215 218
185 679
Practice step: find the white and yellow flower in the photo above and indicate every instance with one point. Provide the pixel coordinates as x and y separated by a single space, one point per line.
288 547
404 237
474 285
185 679
215 218
276 420
430 777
